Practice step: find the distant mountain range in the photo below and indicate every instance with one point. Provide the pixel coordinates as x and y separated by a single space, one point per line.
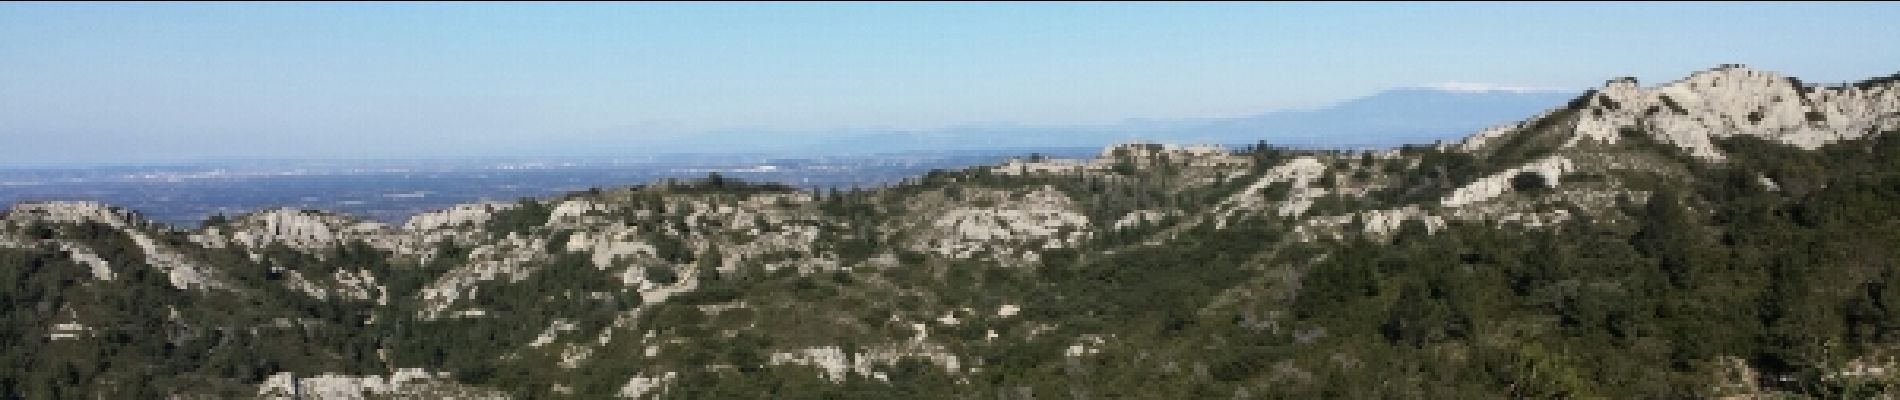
1392 117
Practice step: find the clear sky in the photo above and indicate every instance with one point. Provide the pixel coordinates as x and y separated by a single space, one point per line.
146 82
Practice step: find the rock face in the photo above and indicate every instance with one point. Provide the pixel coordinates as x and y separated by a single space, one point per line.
408 383
1551 168
66 331
511 258
1733 100
302 230
463 215
357 285
1041 218
610 246
1139 217
639 387
181 271
100 267
838 365
1298 175
1375 222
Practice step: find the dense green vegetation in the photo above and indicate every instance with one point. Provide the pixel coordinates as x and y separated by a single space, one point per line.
1794 282
145 338
1700 273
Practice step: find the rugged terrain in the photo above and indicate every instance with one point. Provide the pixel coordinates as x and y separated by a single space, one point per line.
1727 234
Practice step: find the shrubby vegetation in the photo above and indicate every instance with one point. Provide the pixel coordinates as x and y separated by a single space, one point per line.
1792 282
1703 271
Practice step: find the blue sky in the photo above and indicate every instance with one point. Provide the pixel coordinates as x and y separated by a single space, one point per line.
182 81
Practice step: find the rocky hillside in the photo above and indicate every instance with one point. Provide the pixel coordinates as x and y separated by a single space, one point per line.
1728 234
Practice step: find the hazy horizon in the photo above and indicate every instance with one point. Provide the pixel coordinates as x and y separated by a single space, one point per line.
99 83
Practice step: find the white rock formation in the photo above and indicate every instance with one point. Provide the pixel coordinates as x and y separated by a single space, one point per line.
357 285
1551 168
1138 217
573 354
1086 345
830 359
1385 222
655 293
309 231
460 215
639 386
1298 173
411 383
100 268
578 212
1044 216
182 272
615 243
554 329
1733 100
67 330
1375 222
510 258
835 363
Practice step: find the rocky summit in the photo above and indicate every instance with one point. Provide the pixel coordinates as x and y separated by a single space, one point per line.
1729 234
